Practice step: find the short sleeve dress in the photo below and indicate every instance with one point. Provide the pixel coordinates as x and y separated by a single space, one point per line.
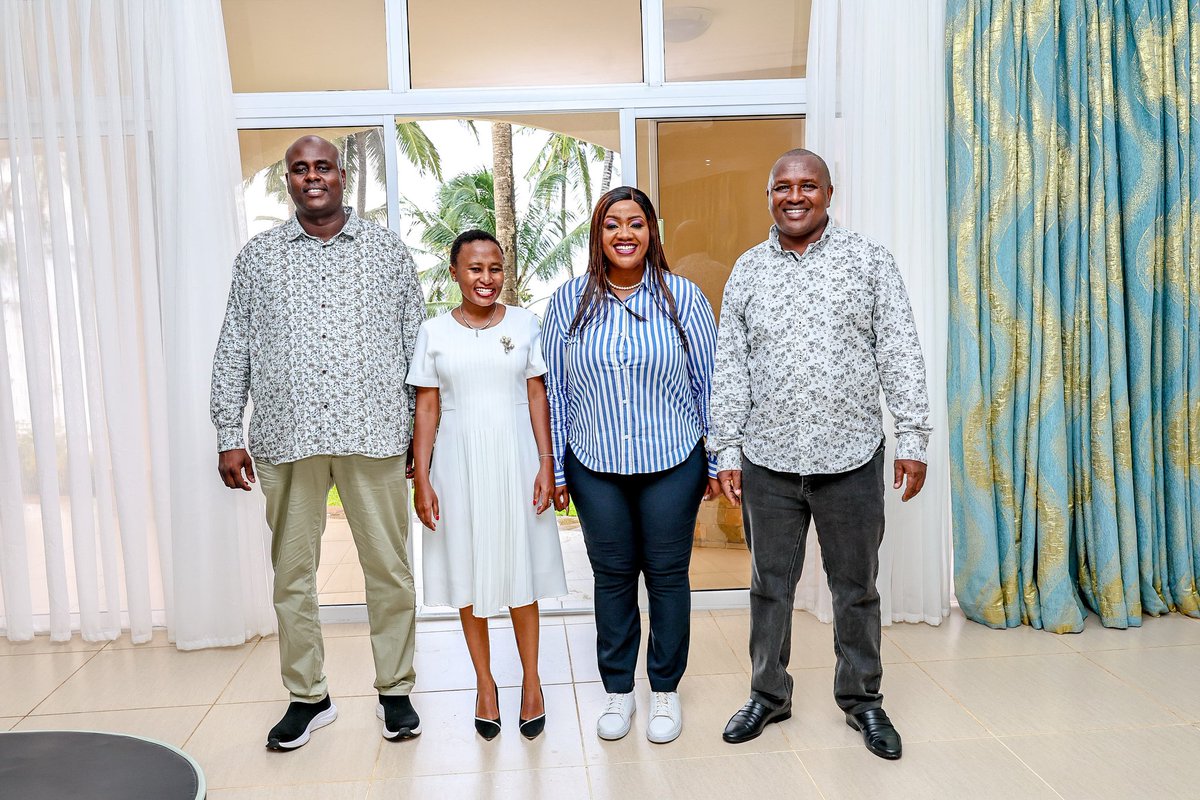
491 549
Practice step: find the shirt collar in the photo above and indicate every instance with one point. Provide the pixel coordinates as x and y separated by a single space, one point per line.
294 230
773 238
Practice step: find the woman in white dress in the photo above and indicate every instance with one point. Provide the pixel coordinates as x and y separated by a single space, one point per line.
483 456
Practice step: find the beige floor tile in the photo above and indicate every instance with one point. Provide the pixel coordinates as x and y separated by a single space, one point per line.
707 700
920 709
150 678
335 629
28 680
337 529
1099 765
981 769
444 664
720 580
958 637
158 638
578 619
812 641
745 775
355 790
334 551
1164 631
565 783
6 723
42 644
228 745
1168 674
171 725
345 578
448 742
1045 694
349 668
708 654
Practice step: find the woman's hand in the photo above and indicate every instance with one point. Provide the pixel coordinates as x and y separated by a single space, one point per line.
543 487
425 500
562 498
713 489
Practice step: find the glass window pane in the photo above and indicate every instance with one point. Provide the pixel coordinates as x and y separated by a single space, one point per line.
264 191
735 40
473 43
267 40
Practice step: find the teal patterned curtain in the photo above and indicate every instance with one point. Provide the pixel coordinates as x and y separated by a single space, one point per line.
1074 353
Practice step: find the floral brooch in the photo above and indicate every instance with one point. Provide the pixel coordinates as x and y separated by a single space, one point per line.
507 343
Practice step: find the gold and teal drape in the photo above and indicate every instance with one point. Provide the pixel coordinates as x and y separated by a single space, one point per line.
1074 352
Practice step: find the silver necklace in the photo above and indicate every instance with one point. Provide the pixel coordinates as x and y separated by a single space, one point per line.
463 315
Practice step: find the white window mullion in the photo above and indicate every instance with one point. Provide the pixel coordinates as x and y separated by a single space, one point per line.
399 76
654 60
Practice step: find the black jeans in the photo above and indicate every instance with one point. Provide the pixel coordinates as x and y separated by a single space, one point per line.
847 508
644 524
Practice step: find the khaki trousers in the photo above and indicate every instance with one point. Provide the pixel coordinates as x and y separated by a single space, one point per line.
374 493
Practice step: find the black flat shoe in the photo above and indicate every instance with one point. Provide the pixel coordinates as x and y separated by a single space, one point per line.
879 734
532 728
748 723
489 728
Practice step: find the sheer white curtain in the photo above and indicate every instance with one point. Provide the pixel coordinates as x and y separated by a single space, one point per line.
876 113
118 224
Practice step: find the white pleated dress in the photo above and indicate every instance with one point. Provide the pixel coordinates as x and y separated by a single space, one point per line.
491 549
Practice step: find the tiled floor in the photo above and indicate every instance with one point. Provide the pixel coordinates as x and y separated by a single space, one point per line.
985 714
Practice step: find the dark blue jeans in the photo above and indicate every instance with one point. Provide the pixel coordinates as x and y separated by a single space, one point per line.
847 508
643 524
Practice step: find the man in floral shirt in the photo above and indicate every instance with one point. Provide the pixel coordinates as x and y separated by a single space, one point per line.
321 324
814 323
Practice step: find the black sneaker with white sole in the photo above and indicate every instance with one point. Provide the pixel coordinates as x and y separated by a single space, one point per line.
299 722
400 720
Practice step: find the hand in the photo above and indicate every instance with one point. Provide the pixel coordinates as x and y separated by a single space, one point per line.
425 500
730 481
409 461
915 470
713 489
543 487
231 464
562 498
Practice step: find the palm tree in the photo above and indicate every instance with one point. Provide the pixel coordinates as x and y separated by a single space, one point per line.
542 248
505 204
572 158
364 160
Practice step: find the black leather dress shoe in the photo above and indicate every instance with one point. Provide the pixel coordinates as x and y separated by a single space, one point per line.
878 732
748 723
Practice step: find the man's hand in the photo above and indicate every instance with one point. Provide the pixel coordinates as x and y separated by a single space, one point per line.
713 489
562 498
915 470
231 464
731 485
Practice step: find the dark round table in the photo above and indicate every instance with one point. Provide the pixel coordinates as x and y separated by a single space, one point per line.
64 765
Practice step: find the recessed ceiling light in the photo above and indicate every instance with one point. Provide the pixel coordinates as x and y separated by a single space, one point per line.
685 23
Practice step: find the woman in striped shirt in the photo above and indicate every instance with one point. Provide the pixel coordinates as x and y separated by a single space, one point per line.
629 348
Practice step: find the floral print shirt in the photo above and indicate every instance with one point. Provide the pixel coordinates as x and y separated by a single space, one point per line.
806 342
319 335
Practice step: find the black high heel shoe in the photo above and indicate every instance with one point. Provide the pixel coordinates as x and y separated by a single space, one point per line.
532 728
489 728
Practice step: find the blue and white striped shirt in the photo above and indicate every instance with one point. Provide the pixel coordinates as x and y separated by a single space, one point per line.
623 393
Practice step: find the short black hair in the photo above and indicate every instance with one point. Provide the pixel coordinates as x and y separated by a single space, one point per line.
473 235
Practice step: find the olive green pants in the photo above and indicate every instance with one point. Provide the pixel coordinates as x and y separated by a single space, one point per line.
374 493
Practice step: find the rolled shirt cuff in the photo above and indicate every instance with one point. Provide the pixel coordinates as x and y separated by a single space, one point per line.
911 447
729 458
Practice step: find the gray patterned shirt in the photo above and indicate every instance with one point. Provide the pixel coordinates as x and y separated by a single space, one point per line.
319 336
805 344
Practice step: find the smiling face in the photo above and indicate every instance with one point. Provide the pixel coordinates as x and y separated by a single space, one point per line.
625 235
799 195
315 180
479 272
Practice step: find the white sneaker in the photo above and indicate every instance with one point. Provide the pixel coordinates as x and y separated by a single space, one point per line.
614 719
666 718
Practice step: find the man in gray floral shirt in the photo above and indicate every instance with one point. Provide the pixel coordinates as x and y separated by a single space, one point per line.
814 323
321 324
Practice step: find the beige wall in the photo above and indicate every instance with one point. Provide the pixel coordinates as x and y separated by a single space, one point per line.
306 45
744 40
